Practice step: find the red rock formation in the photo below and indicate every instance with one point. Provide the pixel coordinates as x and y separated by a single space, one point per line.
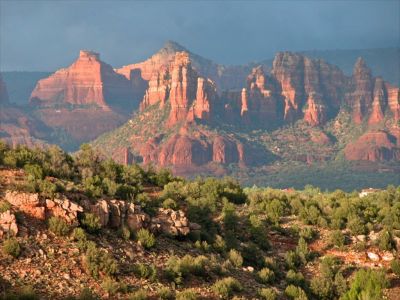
379 102
88 81
3 91
158 90
373 146
361 97
225 151
183 88
310 88
224 77
393 94
205 97
258 101
288 69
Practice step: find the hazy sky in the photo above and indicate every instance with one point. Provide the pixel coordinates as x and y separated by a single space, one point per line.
47 35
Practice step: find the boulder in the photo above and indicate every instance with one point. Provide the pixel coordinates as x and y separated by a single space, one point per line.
8 224
29 203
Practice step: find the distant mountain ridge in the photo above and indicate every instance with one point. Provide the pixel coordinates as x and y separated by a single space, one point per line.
196 116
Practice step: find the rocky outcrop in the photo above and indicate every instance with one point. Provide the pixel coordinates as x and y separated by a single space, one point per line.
64 209
8 224
3 91
170 222
116 213
88 81
111 213
373 146
35 206
28 203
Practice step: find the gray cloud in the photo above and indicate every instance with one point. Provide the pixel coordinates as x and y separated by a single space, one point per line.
46 35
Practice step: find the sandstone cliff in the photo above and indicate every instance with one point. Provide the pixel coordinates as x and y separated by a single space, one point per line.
88 81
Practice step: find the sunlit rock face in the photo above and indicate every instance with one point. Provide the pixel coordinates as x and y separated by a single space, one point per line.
88 81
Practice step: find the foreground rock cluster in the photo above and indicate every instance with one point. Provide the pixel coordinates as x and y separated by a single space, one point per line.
111 213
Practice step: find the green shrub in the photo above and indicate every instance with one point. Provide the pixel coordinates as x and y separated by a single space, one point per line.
110 286
302 250
235 258
336 238
292 260
188 294
385 241
78 234
145 271
395 266
125 233
226 287
58 226
367 284
170 203
165 293
4 206
295 292
34 171
322 287
97 260
47 188
91 223
179 268
265 275
294 278
146 238
307 233
138 295
267 294
12 247
86 294
24 293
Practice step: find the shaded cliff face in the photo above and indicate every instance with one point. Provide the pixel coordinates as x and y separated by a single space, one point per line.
199 148
18 128
3 91
88 81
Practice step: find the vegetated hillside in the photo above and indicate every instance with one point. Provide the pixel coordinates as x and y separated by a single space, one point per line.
86 228
20 84
384 62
